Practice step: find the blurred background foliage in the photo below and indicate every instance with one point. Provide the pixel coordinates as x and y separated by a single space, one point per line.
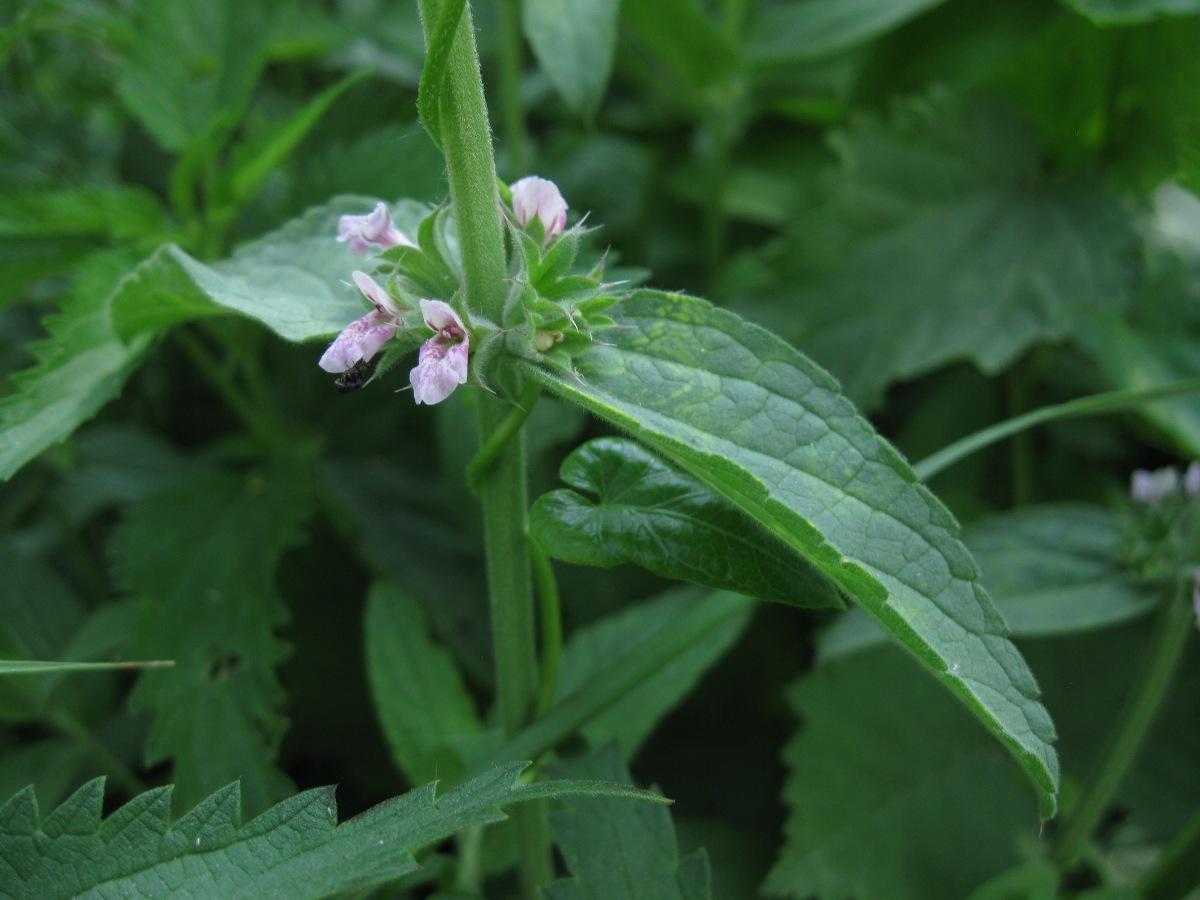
963 209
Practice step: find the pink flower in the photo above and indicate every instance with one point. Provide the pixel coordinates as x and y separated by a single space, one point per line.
533 196
362 338
375 228
442 362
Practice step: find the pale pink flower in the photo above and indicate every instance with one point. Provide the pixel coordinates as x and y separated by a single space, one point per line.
533 196
375 228
1153 487
442 361
362 338
1191 481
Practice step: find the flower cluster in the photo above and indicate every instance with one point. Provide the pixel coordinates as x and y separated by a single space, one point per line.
1154 487
442 361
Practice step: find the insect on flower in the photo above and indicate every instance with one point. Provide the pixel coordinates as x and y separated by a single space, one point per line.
357 376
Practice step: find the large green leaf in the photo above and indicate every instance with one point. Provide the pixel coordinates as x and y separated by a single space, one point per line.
668 522
802 30
1125 12
295 281
1052 569
942 240
620 639
574 42
893 792
418 691
620 851
200 555
82 364
296 849
193 65
767 429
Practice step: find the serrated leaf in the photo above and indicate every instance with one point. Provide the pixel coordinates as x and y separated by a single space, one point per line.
1052 569
192 61
893 791
201 556
1127 12
574 42
418 692
647 513
82 365
763 426
295 281
942 241
594 648
804 30
617 850
296 849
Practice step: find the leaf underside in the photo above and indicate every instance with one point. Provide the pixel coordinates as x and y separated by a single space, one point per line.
767 429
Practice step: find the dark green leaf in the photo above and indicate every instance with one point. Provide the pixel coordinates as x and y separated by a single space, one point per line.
418 691
942 241
690 632
81 366
192 62
574 42
802 30
1126 12
617 850
201 556
621 638
296 849
889 781
647 513
767 429
1051 569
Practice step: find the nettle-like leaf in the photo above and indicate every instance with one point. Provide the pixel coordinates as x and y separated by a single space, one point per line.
803 30
295 281
574 42
942 241
1128 12
890 782
620 851
201 555
82 364
193 63
766 428
648 513
418 691
622 639
1052 569
295 849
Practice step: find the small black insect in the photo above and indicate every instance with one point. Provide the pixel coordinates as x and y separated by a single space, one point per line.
354 378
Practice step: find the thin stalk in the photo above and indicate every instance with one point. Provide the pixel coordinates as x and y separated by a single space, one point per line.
512 112
1095 405
551 620
465 137
1175 623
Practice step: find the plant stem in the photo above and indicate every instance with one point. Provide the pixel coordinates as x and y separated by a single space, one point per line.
466 139
551 618
1175 623
510 87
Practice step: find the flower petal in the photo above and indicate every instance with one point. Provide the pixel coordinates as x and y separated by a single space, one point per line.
360 340
441 317
375 228
439 370
378 295
533 196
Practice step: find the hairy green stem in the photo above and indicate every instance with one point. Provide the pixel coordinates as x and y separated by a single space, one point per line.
513 113
1175 623
487 455
465 137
